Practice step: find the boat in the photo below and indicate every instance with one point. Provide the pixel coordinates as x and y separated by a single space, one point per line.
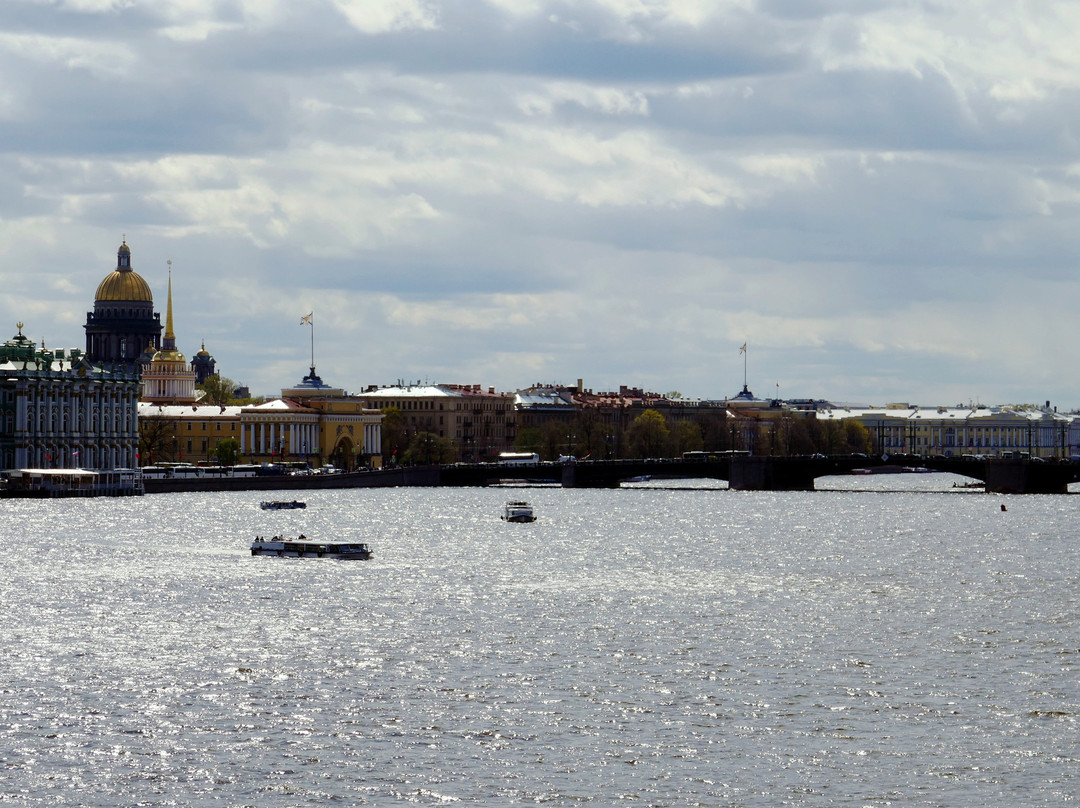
518 511
280 505
303 547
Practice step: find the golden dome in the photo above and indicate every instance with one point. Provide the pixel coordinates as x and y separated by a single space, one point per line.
168 356
124 283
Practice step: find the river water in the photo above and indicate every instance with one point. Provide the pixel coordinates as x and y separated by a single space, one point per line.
910 644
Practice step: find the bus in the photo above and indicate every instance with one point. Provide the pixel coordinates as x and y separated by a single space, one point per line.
518 458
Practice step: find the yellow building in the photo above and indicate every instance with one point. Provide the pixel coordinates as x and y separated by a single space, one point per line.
189 433
311 423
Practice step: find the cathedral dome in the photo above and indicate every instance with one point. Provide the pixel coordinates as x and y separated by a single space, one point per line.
124 283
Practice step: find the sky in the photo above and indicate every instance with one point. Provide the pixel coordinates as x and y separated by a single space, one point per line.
879 199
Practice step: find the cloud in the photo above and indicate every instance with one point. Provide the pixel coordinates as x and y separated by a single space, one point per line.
880 198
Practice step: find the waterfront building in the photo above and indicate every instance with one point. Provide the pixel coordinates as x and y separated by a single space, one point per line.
185 433
123 323
60 410
1003 431
311 423
574 420
479 422
315 423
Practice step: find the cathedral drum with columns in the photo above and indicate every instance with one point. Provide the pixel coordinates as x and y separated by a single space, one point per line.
123 322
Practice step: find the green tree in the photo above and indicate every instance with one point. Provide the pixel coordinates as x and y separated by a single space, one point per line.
856 435
227 451
219 390
688 437
393 434
554 440
648 434
588 430
427 448
528 440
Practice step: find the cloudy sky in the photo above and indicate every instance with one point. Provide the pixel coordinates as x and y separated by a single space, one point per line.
879 198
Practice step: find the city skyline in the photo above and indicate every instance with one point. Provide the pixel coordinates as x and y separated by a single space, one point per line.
876 201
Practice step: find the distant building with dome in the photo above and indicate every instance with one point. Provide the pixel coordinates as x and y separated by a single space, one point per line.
203 364
123 323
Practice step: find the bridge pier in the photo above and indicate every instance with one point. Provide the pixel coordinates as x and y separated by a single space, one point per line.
1023 477
769 474
571 478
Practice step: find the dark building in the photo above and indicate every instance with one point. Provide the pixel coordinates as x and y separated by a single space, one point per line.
123 323
203 364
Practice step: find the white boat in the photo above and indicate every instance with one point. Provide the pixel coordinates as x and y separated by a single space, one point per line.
518 511
278 505
303 547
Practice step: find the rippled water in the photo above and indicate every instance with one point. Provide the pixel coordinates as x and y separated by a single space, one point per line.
634 647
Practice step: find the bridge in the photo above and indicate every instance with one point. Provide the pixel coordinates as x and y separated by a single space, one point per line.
743 473
763 473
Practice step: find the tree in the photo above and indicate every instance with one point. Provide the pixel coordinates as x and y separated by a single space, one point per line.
648 434
528 440
393 434
553 439
589 429
856 435
227 451
157 439
427 448
688 437
219 390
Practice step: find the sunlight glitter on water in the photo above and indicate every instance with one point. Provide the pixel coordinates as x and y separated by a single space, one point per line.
648 646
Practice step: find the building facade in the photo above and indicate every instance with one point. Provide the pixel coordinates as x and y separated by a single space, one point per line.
311 423
59 410
1016 431
479 423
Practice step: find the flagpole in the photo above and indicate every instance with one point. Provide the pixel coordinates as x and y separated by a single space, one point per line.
312 324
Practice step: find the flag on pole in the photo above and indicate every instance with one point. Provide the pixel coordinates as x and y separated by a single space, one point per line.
743 348
306 319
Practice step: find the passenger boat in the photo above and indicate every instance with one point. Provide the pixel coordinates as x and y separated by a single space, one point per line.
518 511
277 505
303 547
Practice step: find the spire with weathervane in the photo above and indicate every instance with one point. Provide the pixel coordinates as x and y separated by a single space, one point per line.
167 379
169 342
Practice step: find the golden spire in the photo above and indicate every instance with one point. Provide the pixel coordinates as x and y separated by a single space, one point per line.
170 336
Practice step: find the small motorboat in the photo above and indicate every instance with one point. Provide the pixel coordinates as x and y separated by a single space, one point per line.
303 547
518 511
281 505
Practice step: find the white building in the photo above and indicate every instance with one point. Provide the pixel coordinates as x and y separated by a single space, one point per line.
1014 431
